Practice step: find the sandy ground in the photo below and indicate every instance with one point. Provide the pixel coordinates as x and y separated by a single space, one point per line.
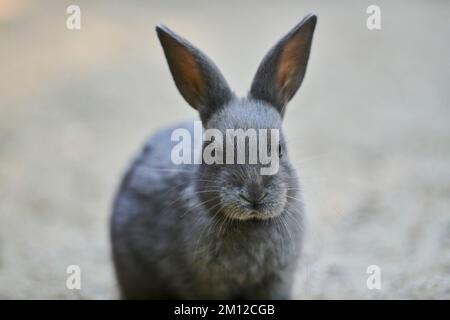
369 132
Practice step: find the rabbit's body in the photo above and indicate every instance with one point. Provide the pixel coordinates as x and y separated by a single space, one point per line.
166 246
219 231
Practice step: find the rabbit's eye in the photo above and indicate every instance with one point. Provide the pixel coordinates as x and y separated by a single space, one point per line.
280 153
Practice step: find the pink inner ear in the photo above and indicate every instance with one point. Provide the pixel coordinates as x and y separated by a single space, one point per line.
289 65
190 77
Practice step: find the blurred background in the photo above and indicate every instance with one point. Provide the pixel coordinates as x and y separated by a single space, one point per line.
369 133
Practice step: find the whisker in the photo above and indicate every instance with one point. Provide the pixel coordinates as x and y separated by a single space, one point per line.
294 198
210 227
207 191
199 205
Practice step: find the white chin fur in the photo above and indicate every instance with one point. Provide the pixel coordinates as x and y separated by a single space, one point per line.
245 215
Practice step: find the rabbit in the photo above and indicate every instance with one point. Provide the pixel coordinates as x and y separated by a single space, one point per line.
214 231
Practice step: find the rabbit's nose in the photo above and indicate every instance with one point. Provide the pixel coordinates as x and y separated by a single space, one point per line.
254 197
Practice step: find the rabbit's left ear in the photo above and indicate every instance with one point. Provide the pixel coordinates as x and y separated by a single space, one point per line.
197 78
281 72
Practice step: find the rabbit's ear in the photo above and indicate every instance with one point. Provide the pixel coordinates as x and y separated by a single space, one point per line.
197 78
282 70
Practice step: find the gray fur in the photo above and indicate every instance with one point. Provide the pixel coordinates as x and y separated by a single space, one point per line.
184 231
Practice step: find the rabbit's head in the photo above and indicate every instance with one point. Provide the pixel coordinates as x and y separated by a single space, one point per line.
242 189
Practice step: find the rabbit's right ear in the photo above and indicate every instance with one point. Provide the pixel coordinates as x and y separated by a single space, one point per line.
197 78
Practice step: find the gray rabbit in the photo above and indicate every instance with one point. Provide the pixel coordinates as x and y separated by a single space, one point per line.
214 231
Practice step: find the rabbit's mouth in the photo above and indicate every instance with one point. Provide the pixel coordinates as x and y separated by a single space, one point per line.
243 213
253 215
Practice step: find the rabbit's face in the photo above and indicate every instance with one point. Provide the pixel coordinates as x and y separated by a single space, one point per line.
240 190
